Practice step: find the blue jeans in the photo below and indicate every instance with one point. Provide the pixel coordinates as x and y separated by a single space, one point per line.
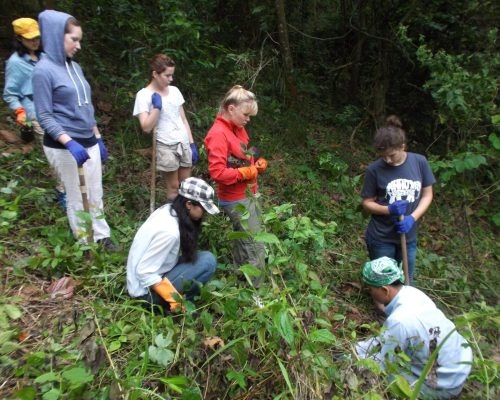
377 249
186 278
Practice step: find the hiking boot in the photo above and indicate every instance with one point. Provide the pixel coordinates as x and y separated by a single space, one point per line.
108 245
61 198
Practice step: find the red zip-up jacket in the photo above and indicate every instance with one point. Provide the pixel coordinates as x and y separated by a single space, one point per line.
223 140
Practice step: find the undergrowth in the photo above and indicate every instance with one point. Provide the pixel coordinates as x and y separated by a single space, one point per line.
295 344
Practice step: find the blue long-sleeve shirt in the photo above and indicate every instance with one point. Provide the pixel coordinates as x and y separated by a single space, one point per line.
415 326
18 89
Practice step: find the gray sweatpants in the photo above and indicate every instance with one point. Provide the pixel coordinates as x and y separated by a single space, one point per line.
247 251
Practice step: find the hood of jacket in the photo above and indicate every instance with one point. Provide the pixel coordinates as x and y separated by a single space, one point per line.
52 24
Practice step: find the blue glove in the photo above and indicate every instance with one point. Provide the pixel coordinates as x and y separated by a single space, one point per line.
102 149
398 207
194 151
77 151
405 225
156 100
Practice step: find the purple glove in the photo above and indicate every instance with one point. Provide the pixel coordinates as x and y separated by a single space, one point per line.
194 151
156 100
405 225
102 149
398 207
77 151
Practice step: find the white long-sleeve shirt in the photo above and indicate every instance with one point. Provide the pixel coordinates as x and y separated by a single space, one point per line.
155 251
416 326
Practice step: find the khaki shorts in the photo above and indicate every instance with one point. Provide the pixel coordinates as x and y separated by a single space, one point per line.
169 157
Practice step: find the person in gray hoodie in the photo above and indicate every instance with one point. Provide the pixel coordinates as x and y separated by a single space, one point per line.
64 109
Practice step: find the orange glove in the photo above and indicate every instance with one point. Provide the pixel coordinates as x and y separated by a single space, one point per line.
248 173
166 290
21 115
261 165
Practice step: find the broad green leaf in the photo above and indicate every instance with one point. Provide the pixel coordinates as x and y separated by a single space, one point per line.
238 377
266 237
8 214
77 377
313 275
403 385
26 393
115 345
161 356
323 336
47 377
495 141
238 235
52 394
162 341
283 324
9 347
370 364
250 270
496 219
176 380
495 119
12 311
372 396
5 336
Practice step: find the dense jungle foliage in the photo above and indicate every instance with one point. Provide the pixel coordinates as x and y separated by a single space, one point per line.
326 73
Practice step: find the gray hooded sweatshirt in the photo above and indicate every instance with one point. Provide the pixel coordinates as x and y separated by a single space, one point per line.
61 93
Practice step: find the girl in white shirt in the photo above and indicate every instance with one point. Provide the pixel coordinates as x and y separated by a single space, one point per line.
159 106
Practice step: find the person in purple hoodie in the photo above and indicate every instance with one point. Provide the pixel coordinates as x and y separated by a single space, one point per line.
64 109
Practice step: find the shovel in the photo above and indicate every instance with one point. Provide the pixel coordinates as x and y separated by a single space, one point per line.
152 199
85 200
404 254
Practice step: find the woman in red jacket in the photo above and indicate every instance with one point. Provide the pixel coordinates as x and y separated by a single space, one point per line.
234 167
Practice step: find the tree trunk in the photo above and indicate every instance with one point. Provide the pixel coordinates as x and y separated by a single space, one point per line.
285 50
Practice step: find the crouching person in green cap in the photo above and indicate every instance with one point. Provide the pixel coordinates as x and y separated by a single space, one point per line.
164 264
415 327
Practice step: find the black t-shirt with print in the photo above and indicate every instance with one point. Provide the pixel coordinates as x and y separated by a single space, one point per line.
387 184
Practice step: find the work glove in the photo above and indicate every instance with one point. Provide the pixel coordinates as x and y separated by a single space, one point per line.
77 151
248 173
261 165
194 152
405 225
166 290
21 115
398 207
103 150
156 100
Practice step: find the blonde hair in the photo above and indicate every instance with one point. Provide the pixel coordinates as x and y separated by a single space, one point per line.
237 95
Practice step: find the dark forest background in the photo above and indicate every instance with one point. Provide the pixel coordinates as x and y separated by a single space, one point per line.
327 73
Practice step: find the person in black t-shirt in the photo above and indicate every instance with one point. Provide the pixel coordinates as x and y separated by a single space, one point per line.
398 183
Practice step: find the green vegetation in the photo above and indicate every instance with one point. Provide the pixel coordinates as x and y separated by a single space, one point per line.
421 61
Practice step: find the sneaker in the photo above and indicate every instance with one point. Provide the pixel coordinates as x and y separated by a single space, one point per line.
61 198
108 245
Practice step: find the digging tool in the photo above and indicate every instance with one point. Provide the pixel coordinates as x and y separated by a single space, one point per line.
152 198
404 253
85 200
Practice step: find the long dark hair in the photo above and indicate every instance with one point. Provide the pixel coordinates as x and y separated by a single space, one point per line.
188 228
19 48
